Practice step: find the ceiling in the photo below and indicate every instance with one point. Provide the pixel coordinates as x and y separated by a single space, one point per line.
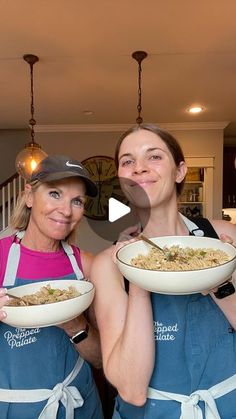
85 61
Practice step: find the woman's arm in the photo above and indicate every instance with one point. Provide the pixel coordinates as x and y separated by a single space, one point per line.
89 348
126 329
227 304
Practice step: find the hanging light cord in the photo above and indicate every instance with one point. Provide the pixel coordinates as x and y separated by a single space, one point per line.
139 57
139 119
32 120
28 158
31 60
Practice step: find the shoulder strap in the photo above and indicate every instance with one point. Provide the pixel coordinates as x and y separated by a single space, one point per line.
12 265
13 261
193 228
69 251
199 226
205 225
14 258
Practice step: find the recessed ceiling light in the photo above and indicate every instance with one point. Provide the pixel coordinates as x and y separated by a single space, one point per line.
87 112
195 109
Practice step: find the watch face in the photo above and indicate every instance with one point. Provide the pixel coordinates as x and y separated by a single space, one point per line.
103 171
83 334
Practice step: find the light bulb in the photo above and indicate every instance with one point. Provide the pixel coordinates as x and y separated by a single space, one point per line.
28 159
33 164
195 109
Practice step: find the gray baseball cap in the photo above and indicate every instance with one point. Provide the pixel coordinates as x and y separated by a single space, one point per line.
56 167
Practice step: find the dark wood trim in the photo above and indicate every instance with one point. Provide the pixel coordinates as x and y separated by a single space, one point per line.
10 179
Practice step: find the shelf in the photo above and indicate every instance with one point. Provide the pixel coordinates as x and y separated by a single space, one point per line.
192 199
199 182
191 202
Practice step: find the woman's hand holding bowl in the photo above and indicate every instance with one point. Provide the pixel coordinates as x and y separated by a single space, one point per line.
3 300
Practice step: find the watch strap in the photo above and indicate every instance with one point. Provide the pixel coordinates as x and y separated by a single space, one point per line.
225 290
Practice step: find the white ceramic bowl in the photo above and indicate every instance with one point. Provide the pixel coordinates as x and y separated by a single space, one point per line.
53 313
176 282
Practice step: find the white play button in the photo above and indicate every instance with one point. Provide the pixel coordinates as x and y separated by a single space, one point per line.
116 209
119 211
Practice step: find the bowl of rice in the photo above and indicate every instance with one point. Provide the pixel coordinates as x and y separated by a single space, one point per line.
197 264
54 302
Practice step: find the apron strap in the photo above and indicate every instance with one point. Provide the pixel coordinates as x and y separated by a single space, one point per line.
69 251
189 404
193 228
68 395
12 265
14 258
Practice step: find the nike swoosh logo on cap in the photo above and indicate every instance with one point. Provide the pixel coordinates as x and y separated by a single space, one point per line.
73 165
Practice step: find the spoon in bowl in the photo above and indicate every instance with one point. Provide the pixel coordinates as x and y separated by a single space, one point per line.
168 255
20 299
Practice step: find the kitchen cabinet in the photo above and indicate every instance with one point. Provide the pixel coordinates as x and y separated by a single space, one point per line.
229 178
196 199
192 198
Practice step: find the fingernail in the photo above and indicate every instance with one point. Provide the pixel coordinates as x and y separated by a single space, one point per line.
3 291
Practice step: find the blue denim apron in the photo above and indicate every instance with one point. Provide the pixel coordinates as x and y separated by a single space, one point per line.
195 369
41 373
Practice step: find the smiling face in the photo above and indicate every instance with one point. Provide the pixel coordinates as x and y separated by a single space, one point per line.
146 164
56 208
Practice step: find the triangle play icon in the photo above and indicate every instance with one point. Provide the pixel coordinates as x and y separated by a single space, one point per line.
116 209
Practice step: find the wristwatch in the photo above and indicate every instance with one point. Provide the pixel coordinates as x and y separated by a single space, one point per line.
225 290
81 335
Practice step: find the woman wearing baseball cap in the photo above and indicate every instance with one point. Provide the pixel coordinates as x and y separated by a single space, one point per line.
48 376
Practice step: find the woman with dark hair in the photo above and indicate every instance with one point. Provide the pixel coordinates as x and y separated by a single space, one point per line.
169 356
45 372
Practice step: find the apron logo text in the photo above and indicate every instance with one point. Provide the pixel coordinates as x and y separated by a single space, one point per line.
22 337
162 332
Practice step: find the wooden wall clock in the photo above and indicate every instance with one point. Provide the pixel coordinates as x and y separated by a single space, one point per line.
103 172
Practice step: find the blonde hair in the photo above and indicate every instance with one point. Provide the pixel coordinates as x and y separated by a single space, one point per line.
21 214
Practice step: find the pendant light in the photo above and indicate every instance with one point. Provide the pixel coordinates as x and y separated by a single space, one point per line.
32 154
139 57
